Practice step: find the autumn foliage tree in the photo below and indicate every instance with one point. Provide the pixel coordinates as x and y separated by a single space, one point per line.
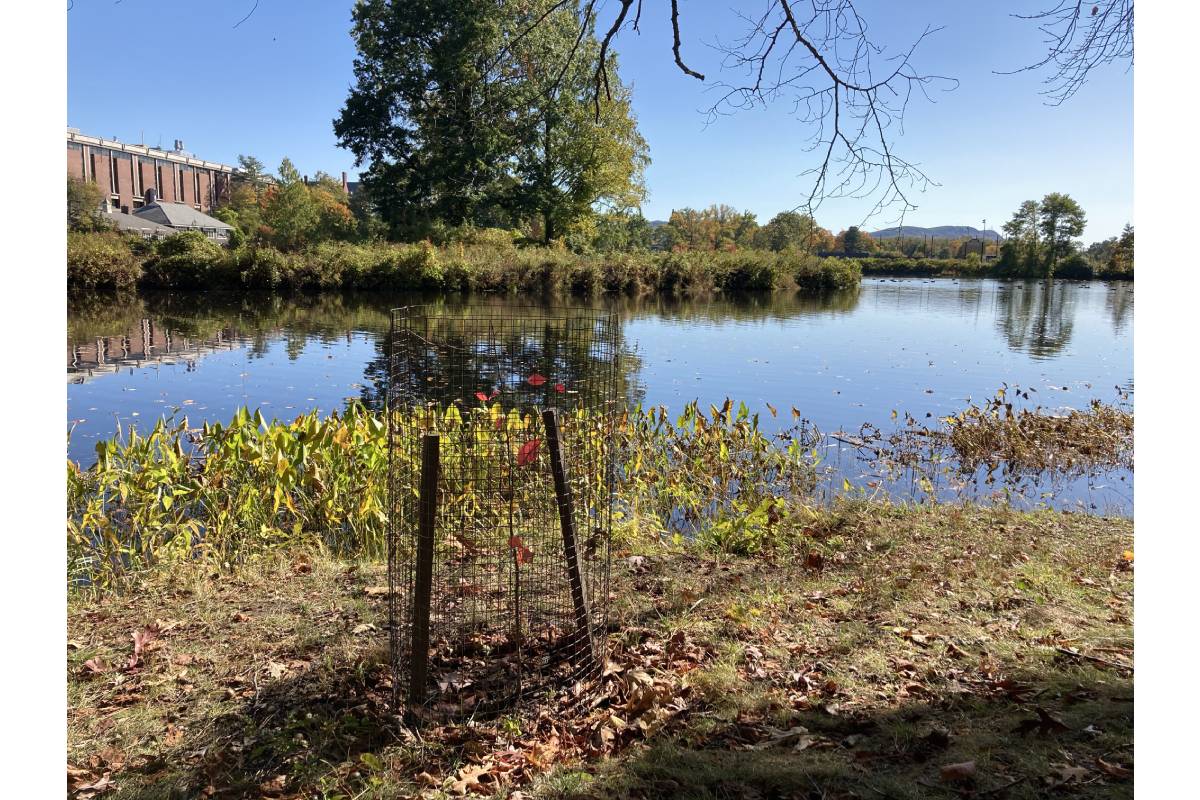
288 211
718 227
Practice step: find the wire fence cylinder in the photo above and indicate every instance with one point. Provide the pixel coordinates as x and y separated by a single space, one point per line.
500 480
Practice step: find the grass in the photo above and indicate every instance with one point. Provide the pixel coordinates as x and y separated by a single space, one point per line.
886 644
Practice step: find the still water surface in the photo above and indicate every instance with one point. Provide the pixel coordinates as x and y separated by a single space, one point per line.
923 346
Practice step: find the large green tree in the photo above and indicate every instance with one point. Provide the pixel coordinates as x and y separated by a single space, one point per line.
574 151
1061 220
480 112
1041 235
791 230
290 211
429 111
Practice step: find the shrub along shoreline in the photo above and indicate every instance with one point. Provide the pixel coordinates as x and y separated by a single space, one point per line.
188 260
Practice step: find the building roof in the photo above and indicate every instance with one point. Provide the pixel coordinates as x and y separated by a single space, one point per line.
128 222
149 152
179 215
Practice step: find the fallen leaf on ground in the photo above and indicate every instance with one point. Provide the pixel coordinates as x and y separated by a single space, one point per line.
1043 724
141 640
798 734
1065 773
83 784
274 786
1113 770
94 666
467 779
962 771
366 626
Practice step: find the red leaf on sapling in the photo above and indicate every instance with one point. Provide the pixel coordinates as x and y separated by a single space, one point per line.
558 387
528 452
499 423
481 397
494 393
536 379
523 553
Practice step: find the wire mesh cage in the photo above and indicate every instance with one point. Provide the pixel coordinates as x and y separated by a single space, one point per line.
501 481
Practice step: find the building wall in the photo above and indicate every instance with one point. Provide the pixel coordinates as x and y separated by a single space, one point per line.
172 175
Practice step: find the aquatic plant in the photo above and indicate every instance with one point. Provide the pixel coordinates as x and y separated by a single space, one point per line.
228 493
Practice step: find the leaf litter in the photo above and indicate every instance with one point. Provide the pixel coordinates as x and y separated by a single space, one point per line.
710 655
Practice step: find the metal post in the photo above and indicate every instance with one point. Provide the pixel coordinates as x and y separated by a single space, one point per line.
426 519
566 515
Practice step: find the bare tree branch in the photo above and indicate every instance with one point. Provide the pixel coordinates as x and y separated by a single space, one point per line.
249 15
845 90
675 48
848 94
602 61
1081 36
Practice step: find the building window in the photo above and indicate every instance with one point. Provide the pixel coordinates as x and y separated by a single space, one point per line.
179 172
159 184
196 188
114 179
136 169
92 175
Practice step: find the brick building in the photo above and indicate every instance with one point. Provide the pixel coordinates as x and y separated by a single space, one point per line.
128 170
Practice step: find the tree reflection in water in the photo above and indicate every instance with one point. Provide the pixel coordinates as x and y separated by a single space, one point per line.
1037 318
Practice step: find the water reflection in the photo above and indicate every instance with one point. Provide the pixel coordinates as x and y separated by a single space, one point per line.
922 346
1037 318
1118 299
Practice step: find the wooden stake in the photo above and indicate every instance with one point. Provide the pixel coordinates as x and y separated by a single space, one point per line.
426 519
566 516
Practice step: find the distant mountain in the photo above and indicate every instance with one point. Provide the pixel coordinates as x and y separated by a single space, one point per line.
939 232
657 223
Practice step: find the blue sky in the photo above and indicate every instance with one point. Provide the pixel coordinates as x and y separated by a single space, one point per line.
155 70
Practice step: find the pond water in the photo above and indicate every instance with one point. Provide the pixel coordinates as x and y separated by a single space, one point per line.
927 347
